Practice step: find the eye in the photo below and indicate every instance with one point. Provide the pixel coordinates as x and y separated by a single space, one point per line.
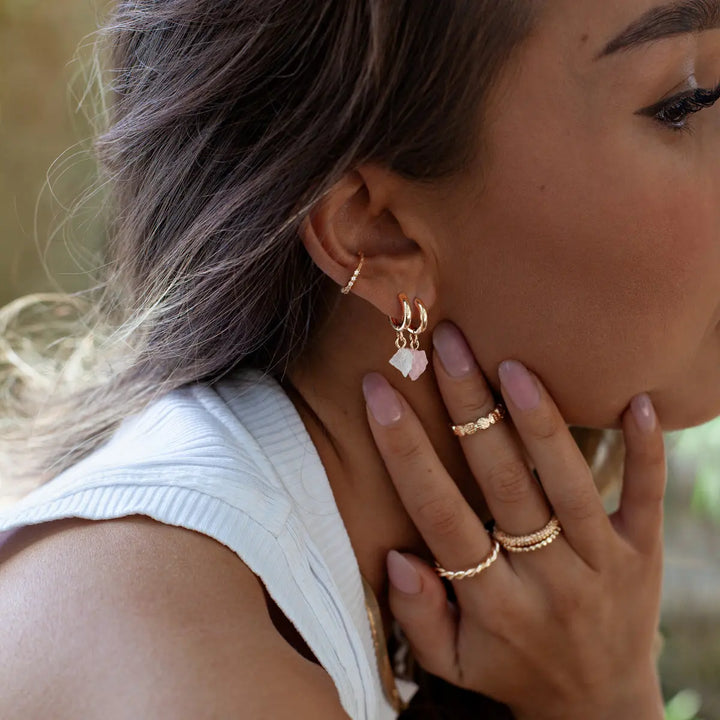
675 111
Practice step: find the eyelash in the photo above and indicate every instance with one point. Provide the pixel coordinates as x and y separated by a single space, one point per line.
674 112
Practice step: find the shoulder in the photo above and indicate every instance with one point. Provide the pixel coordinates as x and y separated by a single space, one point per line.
190 440
91 609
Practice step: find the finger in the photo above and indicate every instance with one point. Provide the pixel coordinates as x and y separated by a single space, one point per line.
640 515
418 602
495 457
452 531
564 472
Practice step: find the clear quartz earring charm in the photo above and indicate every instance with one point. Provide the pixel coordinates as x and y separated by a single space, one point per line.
410 361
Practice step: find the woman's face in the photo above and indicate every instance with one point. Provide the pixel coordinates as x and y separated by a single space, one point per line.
586 240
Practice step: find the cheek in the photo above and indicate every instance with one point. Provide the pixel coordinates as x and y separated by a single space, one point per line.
604 278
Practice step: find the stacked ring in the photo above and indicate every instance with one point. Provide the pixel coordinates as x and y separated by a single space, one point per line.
536 546
528 543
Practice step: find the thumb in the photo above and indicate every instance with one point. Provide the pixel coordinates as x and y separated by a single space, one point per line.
419 603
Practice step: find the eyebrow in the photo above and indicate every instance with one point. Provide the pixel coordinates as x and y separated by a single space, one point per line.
677 18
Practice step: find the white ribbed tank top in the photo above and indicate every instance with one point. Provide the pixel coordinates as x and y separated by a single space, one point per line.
234 461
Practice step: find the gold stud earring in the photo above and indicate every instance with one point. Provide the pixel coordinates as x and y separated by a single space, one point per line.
410 361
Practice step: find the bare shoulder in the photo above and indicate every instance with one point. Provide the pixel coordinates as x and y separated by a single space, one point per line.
131 618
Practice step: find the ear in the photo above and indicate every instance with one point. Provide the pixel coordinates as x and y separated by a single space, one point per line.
372 210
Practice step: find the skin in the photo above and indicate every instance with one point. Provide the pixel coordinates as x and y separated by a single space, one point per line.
552 634
583 227
583 243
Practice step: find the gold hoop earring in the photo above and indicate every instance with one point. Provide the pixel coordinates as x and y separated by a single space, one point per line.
410 361
354 277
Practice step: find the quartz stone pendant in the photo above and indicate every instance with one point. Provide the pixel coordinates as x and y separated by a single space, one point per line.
403 360
411 363
419 363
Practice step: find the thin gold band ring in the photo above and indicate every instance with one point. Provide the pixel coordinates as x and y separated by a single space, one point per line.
482 423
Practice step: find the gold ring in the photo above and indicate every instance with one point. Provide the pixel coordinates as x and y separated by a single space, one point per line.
482 423
471 572
527 543
535 546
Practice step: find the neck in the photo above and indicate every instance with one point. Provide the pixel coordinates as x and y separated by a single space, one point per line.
325 387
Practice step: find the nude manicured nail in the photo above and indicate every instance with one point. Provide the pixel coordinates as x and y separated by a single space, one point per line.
455 355
644 413
381 399
520 385
402 574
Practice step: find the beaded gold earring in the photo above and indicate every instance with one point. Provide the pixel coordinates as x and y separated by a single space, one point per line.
410 361
354 277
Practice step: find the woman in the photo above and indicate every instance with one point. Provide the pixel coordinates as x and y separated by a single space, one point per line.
538 178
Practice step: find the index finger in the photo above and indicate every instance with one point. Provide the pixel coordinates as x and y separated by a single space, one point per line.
452 530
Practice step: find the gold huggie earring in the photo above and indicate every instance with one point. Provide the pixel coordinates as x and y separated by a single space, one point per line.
352 280
410 361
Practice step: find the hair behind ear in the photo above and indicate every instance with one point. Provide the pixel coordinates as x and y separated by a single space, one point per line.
223 124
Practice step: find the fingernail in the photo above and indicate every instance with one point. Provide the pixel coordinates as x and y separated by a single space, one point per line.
402 574
520 385
381 399
644 412
455 355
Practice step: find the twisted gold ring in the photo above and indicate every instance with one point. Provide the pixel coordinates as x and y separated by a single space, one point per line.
471 572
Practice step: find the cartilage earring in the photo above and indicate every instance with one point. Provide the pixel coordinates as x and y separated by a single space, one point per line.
410 361
354 277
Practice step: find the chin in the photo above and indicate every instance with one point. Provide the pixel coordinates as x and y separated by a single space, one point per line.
673 415
677 416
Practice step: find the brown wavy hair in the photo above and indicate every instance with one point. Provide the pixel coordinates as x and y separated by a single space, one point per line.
223 123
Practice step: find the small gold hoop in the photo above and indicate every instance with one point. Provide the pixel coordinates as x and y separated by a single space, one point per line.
422 327
407 314
354 277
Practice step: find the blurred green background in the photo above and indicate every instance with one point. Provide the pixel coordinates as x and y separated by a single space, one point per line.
42 78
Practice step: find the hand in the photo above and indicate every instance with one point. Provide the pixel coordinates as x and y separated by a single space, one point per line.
566 631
